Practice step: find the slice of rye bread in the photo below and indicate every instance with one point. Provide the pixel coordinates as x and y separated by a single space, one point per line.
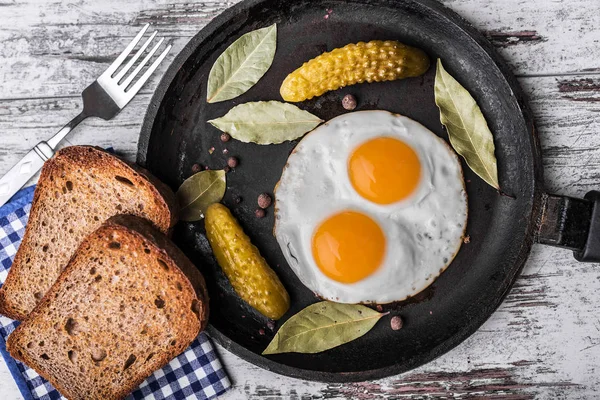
127 303
79 188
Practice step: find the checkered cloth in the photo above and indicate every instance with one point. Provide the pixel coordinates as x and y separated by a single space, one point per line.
195 374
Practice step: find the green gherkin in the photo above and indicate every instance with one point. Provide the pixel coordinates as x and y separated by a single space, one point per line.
248 272
375 61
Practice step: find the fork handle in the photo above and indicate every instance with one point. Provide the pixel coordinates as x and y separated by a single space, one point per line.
23 171
33 161
60 135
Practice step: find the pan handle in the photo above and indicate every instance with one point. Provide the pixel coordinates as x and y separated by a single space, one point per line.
572 223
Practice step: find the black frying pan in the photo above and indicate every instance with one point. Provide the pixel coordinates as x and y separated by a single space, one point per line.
175 136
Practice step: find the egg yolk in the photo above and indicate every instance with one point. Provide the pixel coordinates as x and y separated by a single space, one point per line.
348 246
384 170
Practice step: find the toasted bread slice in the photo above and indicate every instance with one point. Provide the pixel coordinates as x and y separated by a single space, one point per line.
120 310
79 189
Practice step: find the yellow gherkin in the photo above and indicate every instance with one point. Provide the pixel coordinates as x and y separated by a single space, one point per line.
250 275
374 61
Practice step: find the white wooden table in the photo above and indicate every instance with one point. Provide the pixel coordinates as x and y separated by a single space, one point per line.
543 342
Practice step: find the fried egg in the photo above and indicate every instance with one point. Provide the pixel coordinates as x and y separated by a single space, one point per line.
371 208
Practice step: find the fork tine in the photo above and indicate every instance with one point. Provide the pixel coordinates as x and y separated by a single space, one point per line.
138 85
137 70
113 67
137 55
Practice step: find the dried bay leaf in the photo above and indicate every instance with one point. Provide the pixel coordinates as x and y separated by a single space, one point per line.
266 122
242 64
323 326
198 192
467 128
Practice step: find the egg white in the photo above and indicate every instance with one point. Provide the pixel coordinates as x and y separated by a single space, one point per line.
423 232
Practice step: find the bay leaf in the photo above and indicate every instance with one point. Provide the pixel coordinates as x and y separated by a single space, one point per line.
467 128
198 192
322 326
266 122
242 64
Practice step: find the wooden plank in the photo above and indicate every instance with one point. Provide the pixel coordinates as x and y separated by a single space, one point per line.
539 37
25 122
67 45
567 114
544 341
59 47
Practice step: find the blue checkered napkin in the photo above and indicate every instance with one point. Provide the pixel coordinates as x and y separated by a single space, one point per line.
195 374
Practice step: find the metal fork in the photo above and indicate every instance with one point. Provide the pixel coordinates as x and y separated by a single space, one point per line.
104 98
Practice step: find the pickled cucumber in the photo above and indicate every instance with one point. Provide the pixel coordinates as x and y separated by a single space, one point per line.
374 61
250 275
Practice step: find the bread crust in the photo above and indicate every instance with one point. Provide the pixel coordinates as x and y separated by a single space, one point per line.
79 160
133 232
